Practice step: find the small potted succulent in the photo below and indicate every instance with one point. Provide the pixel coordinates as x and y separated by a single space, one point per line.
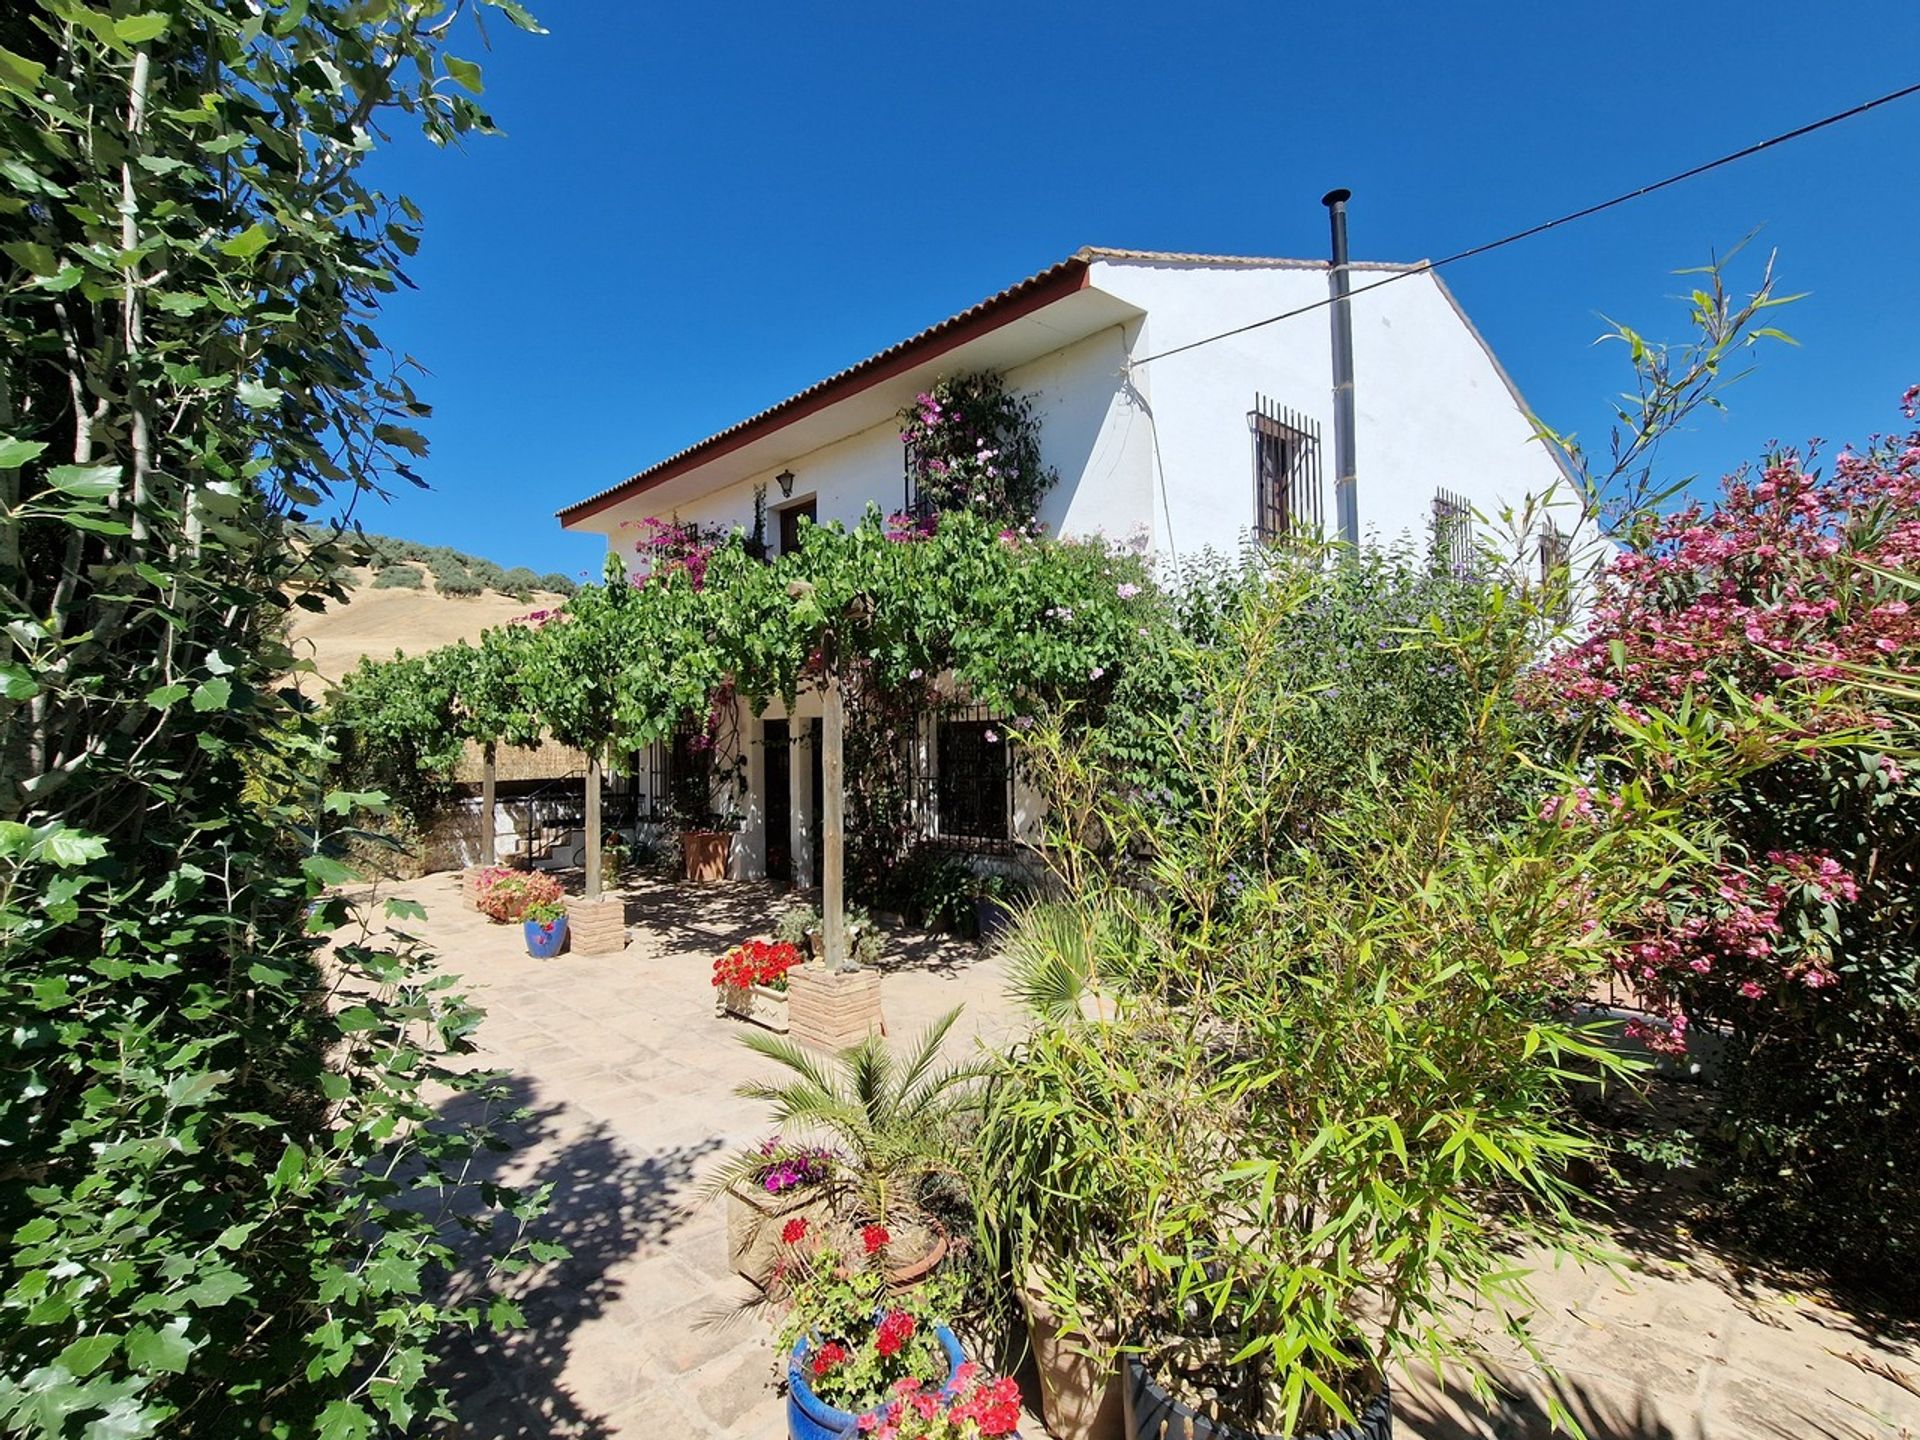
851 1340
750 982
545 925
768 1188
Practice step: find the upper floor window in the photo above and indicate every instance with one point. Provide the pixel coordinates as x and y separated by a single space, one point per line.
1453 543
1286 471
974 783
790 517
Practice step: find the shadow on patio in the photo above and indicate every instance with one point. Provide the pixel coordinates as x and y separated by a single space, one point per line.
607 1205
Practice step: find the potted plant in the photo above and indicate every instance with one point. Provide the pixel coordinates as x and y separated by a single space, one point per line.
974 1406
995 896
613 858
505 896
801 926
779 1183
706 853
852 1341
545 925
891 1119
750 982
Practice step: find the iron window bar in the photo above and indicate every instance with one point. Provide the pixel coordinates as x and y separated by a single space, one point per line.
1453 542
966 788
1286 472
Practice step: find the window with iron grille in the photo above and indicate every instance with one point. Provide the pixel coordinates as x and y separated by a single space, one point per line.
1453 547
650 767
914 504
1286 471
973 785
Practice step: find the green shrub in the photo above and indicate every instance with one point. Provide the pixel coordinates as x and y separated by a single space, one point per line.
558 584
452 578
519 582
1298 1077
401 577
240 1192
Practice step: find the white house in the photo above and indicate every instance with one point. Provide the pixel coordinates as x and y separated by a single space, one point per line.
1156 436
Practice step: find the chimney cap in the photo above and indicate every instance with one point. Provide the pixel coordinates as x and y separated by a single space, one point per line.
1336 197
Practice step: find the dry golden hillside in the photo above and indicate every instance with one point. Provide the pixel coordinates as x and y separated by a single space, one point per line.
378 622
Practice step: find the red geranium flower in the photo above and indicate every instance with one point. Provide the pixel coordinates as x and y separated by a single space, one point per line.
827 1356
794 1231
893 1332
875 1238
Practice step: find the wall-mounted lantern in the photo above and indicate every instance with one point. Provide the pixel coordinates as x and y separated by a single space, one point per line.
785 481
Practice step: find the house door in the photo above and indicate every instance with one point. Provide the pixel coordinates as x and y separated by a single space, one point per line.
774 738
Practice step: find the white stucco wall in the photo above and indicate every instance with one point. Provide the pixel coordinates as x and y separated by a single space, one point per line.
1432 408
1165 445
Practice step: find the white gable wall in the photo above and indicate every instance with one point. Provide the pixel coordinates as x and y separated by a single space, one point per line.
1432 408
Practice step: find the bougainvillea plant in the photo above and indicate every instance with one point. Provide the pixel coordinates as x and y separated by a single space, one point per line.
979 1405
973 445
757 962
666 545
505 896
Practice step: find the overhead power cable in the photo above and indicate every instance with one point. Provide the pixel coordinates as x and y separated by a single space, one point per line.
1427 265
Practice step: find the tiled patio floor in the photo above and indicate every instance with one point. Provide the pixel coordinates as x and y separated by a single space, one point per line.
630 1078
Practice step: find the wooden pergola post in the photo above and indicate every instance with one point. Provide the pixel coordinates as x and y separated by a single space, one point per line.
488 852
593 824
833 917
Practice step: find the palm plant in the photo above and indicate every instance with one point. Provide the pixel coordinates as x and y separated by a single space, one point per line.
1069 958
890 1117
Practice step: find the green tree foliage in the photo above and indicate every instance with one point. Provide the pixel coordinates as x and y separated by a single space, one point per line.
191 1116
394 730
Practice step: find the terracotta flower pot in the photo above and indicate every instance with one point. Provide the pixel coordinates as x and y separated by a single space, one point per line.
706 854
906 1276
1080 1397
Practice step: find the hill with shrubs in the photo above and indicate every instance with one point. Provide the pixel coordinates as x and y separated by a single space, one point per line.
414 597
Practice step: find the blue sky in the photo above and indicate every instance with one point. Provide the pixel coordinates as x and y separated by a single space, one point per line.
699 209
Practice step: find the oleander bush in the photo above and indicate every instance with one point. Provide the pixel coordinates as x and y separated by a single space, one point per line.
1797 589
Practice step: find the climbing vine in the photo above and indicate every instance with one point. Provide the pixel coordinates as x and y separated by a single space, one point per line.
974 445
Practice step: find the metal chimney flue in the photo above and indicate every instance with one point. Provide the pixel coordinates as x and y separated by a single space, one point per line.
1346 501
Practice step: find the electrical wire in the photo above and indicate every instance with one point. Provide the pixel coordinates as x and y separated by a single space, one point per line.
1429 265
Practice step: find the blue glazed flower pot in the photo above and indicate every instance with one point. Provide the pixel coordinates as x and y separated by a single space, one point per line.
546 938
811 1418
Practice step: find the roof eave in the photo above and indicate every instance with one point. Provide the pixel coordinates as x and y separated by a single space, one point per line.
1034 293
